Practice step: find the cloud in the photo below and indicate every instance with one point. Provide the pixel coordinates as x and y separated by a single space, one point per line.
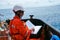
27 3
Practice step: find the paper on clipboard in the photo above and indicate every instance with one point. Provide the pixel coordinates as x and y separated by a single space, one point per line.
29 24
36 28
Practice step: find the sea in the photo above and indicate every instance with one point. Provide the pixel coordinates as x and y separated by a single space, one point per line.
50 14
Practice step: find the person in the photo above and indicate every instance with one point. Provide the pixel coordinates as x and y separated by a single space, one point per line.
54 37
42 36
47 33
18 29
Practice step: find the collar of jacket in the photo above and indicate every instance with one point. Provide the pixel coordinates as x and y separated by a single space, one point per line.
16 17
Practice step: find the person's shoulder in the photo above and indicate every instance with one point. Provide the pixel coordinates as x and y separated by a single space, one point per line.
16 20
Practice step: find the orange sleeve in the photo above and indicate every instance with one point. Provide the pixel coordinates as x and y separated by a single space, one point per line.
20 26
25 25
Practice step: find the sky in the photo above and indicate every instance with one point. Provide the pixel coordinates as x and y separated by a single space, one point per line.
4 4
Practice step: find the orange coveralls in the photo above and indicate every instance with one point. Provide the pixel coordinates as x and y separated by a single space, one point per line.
17 29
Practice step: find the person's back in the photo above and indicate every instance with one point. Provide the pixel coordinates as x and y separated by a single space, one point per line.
17 29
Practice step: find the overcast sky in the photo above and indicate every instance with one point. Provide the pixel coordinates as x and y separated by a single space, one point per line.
28 3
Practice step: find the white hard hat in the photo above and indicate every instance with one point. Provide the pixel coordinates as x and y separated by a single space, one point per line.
17 8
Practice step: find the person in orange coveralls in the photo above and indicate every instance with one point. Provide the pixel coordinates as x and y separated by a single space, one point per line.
18 29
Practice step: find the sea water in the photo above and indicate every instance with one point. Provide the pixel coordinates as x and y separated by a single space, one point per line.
51 15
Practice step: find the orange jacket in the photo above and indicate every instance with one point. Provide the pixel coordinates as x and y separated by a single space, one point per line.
17 29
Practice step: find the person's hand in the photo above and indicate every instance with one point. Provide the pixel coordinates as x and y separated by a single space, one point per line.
33 29
7 31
